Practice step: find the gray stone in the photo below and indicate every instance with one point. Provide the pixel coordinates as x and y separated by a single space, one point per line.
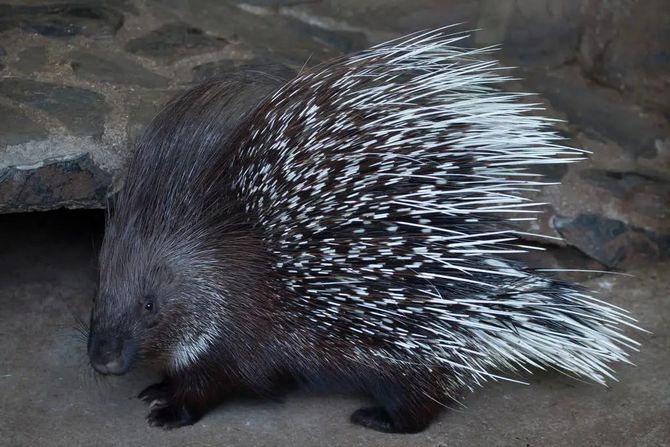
81 111
62 20
342 41
264 33
633 198
611 241
174 40
381 19
625 46
31 59
114 69
225 68
542 32
599 112
274 3
594 200
143 108
16 127
594 235
75 182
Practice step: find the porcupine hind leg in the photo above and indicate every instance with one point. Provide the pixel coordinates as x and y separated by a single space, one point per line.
404 405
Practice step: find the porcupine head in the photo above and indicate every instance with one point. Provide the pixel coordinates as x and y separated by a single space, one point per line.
174 266
352 231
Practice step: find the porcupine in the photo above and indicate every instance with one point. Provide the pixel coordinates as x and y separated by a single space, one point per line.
352 232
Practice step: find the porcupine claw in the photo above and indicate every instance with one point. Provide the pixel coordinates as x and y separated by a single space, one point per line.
164 411
155 392
170 416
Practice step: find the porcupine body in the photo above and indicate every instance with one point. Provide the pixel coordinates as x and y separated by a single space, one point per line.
351 232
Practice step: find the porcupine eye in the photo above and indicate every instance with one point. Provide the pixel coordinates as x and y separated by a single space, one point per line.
150 304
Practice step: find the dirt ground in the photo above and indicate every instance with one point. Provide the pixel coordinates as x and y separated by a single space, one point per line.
49 395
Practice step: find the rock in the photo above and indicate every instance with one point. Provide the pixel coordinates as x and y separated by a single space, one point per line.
114 69
62 20
660 161
234 68
611 241
263 32
81 111
143 108
75 182
592 234
174 40
639 201
624 46
599 112
31 59
382 19
610 215
273 3
342 41
554 28
16 127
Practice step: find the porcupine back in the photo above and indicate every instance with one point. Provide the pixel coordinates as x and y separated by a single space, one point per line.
386 185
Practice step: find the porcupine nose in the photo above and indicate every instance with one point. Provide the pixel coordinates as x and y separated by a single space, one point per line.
106 354
114 366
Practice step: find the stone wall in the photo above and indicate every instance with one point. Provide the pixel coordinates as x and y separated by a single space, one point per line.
80 79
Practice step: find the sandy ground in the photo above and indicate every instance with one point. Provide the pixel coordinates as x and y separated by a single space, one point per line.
49 396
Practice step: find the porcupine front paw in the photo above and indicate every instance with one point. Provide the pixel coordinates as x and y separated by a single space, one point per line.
165 411
170 415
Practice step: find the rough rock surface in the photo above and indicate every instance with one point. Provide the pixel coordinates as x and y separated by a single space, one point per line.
80 79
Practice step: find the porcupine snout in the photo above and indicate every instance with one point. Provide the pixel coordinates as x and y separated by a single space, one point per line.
110 353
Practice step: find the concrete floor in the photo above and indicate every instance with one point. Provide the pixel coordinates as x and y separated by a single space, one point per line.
49 396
